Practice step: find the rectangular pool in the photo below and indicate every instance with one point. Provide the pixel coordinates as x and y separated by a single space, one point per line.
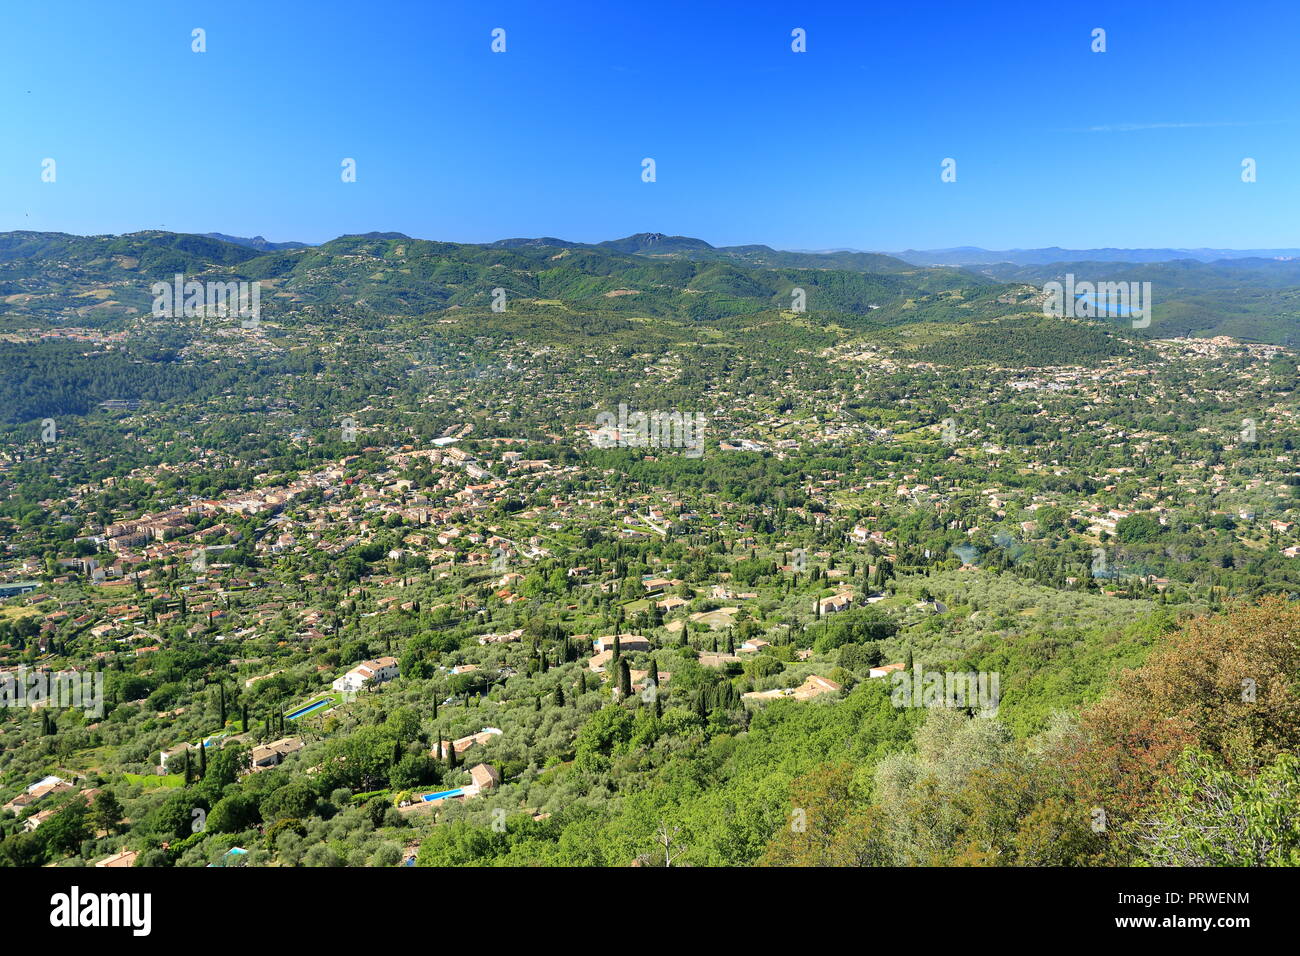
304 711
430 797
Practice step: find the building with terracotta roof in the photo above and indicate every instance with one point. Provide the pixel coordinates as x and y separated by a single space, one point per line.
367 673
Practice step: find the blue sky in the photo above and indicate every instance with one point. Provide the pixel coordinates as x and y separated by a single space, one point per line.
840 146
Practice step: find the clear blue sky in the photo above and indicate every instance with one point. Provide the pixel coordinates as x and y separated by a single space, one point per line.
837 147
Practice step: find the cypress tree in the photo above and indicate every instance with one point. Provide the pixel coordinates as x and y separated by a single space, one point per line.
624 678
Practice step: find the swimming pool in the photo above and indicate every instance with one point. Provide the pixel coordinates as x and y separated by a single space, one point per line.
304 711
430 797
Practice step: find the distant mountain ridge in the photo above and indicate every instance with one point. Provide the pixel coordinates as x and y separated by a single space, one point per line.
257 242
964 256
53 276
652 275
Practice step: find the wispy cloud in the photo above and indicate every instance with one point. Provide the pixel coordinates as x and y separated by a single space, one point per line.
1134 127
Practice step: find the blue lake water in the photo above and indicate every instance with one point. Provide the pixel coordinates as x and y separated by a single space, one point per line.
1106 306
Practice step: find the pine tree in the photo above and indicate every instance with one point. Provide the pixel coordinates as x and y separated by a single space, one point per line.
107 811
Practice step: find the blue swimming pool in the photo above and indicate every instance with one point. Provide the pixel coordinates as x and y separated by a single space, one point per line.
304 711
430 797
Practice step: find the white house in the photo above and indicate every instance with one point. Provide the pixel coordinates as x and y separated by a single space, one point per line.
367 672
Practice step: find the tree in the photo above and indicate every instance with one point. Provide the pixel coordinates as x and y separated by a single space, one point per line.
413 770
624 678
292 801
234 812
827 825
227 765
107 812
174 817
1223 684
670 850
1220 818
63 832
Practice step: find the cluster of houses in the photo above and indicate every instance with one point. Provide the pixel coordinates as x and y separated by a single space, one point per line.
42 789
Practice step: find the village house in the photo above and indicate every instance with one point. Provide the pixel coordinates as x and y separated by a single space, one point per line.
813 686
37 792
269 755
834 603
123 859
367 673
465 743
485 776
626 643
